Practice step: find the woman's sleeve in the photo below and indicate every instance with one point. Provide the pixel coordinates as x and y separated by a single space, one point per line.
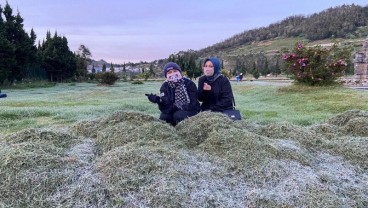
225 99
165 105
200 90
203 95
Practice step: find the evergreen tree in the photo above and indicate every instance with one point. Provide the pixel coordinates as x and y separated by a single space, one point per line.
261 60
7 55
198 71
83 59
265 69
25 50
93 69
112 68
58 61
104 67
151 71
243 68
255 71
192 67
124 68
277 68
172 58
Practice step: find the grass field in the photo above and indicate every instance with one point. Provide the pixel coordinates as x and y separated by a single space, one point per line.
263 103
82 145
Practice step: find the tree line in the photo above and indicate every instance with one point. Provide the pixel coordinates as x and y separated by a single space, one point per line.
21 58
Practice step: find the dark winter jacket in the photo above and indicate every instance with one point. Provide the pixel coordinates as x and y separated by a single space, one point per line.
219 98
167 94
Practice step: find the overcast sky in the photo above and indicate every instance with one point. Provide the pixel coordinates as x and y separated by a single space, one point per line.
135 30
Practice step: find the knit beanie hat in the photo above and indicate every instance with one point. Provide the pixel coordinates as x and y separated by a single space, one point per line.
216 64
171 65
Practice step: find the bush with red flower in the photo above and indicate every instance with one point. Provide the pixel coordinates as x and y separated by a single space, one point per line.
316 65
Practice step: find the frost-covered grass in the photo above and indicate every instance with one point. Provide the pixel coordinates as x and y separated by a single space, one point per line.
130 159
83 145
66 103
267 103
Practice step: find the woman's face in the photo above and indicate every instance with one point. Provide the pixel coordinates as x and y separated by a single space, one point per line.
208 69
173 75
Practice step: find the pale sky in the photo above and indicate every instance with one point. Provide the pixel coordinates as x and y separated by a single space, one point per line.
144 30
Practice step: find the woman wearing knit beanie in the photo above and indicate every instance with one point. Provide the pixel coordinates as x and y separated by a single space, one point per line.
214 89
178 97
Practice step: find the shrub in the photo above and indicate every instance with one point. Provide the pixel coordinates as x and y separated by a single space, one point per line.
107 78
226 73
316 65
92 76
255 74
124 76
137 82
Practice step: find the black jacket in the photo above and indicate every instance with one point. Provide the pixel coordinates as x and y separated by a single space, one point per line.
219 98
167 94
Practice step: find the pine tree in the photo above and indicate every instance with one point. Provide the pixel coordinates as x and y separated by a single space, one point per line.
255 71
151 71
277 68
104 67
58 61
93 69
112 68
25 50
7 55
124 68
191 66
265 69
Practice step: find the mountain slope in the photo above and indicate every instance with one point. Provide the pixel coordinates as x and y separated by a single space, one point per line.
346 21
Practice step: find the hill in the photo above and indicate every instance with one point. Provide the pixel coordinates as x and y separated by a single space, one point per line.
347 22
261 48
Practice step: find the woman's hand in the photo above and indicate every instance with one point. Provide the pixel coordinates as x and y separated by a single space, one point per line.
206 87
153 98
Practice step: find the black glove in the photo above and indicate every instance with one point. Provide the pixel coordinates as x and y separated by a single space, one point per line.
153 98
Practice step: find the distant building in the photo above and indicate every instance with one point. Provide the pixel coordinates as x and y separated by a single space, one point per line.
361 62
99 64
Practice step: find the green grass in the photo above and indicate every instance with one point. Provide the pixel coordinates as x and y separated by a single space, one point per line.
26 84
296 104
65 103
257 101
